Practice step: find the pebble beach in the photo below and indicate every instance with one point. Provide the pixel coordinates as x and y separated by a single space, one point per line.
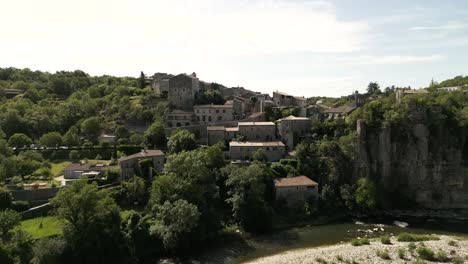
454 248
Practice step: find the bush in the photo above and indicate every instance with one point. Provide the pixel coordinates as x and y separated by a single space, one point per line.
453 243
441 256
360 241
384 254
426 253
457 260
408 237
411 247
385 239
401 253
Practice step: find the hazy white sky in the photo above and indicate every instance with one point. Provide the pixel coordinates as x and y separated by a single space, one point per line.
297 46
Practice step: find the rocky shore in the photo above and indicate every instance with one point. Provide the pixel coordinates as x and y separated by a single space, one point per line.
446 249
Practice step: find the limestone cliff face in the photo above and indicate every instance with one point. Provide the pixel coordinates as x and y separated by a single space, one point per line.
424 167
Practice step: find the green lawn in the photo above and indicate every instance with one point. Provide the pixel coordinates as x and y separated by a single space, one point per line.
58 167
50 226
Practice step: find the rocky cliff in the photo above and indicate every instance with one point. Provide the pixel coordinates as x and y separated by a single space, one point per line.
420 165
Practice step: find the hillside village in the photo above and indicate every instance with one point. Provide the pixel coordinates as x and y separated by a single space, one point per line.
221 157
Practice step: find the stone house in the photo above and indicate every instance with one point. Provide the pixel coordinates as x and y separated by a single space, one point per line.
183 89
296 190
338 112
286 100
179 118
129 164
274 151
251 131
449 89
214 113
292 127
400 93
78 170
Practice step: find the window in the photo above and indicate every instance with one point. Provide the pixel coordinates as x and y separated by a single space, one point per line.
204 118
220 118
224 111
209 118
217 111
198 118
310 187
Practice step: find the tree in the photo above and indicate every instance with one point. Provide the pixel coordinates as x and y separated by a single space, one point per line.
135 191
250 193
91 127
5 198
156 135
51 139
366 194
71 138
93 223
142 80
121 132
8 220
183 140
137 139
260 155
74 155
19 140
49 250
173 222
20 245
373 88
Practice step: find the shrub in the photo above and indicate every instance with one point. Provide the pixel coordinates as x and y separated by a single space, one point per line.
401 253
408 237
321 260
411 247
360 241
384 254
453 243
457 260
339 258
441 256
385 239
426 253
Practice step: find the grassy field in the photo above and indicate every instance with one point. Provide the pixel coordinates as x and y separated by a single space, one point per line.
58 167
50 226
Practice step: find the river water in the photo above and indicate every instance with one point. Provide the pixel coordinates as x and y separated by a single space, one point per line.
316 236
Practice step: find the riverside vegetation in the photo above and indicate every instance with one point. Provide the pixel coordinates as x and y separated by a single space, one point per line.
199 198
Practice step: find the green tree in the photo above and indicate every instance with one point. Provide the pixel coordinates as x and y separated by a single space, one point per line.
49 250
19 140
250 194
8 220
366 194
156 135
135 191
51 139
142 80
137 139
74 156
93 223
260 155
71 138
182 140
20 245
373 88
173 222
121 132
5 198
91 127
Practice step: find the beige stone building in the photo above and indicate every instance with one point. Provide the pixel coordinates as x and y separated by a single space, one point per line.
213 113
274 151
296 190
251 131
129 164
292 127
338 112
178 118
400 93
183 89
286 100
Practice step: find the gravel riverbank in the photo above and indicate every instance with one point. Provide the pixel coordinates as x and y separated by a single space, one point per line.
453 248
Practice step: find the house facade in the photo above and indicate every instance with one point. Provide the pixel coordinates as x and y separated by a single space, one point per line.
274 150
213 113
129 164
292 127
179 118
251 131
78 170
296 190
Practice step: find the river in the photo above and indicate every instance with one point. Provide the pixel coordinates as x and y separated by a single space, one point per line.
316 236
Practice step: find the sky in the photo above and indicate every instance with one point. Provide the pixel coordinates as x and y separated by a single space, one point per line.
306 48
